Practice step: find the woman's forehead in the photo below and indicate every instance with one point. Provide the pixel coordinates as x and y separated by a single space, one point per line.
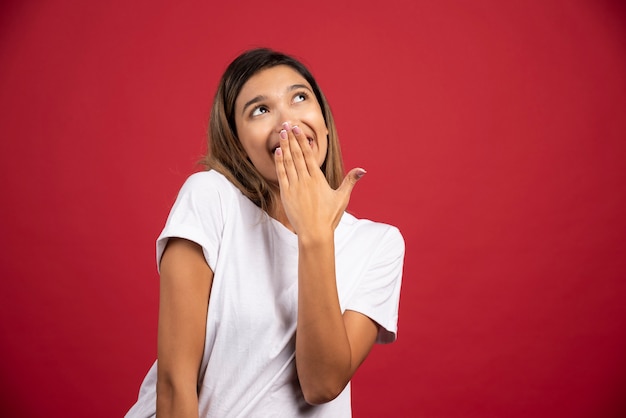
271 81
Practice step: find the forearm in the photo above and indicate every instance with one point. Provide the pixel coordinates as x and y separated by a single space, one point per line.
323 355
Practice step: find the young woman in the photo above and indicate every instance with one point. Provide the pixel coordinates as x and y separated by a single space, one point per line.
271 295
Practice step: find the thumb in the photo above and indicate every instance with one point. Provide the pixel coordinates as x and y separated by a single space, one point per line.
350 180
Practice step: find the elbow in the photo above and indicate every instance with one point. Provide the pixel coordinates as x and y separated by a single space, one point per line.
322 393
174 395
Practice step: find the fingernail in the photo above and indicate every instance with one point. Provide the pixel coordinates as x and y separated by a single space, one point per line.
360 173
296 130
283 134
286 126
278 151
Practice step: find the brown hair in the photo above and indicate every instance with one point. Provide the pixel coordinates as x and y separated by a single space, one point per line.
225 152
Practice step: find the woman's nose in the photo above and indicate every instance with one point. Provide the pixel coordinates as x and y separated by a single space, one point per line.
285 116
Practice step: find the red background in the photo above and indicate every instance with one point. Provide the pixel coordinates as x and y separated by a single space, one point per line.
494 135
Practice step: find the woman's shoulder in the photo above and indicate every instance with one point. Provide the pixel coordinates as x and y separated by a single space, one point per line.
371 232
352 222
210 183
207 178
207 190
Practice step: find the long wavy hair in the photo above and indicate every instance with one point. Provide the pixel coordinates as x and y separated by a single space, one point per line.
225 152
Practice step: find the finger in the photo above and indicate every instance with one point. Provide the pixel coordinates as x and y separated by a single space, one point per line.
285 147
349 181
296 151
305 148
281 173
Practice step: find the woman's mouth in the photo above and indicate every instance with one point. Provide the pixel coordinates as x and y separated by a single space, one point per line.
275 147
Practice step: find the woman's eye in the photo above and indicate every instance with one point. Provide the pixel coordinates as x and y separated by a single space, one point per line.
259 111
300 97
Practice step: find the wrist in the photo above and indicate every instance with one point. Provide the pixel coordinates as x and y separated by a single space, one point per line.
319 238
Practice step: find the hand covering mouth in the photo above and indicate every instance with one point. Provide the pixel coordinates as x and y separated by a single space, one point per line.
276 146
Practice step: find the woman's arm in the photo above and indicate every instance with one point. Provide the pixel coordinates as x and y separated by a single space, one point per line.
184 298
329 346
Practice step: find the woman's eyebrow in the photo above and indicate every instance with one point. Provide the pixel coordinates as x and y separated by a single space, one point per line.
260 98
251 102
299 86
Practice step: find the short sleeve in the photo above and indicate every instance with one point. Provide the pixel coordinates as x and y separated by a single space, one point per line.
378 293
197 215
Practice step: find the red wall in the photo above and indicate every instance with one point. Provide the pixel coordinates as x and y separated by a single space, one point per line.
494 135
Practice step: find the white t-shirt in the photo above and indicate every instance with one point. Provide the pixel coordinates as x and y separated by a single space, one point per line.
248 366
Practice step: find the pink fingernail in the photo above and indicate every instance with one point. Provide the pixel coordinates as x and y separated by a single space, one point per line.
283 134
278 151
296 130
360 173
286 126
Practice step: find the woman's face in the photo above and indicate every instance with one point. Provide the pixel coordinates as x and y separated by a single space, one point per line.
268 99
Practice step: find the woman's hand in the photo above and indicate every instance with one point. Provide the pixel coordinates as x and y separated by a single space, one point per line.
310 204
